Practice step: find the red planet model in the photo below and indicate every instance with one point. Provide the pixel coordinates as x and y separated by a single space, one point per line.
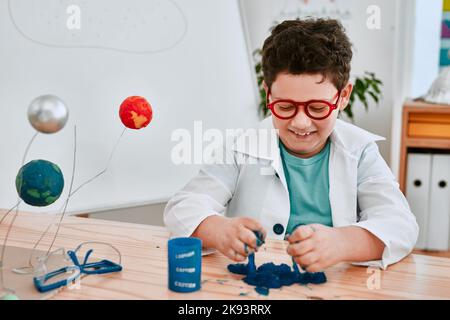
135 112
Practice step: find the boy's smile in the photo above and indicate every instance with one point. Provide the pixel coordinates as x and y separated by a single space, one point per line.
301 135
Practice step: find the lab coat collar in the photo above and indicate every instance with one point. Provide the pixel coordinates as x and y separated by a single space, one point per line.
263 142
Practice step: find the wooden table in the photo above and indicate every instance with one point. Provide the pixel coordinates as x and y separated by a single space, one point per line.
144 258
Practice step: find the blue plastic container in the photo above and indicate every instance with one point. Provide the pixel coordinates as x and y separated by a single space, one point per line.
185 264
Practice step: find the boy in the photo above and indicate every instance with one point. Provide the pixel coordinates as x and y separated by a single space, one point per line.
332 196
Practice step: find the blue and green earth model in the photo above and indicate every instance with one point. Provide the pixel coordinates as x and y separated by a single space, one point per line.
39 183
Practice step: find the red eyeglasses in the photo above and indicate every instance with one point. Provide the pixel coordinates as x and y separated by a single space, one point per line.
315 109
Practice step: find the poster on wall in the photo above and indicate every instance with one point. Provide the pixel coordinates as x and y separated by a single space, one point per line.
445 36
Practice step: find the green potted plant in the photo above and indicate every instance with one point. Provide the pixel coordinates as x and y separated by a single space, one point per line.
365 88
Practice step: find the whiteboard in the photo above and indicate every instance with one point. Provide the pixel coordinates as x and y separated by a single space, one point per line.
189 58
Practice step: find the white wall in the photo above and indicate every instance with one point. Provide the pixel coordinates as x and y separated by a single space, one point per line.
416 59
427 43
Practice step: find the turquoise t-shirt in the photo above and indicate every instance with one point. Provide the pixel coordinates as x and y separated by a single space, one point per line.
308 185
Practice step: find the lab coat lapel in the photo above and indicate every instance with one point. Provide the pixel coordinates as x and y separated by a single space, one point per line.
343 185
277 166
348 143
263 144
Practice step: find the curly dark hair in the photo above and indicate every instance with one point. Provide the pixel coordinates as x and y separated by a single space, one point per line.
308 46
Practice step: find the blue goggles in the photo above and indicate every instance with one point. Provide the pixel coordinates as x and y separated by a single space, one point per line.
69 274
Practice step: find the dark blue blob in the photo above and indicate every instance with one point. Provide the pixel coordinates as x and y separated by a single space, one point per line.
244 269
288 279
251 267
318 278
270 275
275 269
308 277
303 278
262 290
312 277
263 279
238 268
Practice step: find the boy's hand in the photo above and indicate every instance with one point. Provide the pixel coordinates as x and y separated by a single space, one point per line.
234 237
315 247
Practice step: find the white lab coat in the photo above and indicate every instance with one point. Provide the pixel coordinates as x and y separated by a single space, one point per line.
363 191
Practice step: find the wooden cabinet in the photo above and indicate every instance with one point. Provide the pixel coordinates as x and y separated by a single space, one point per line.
424 126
